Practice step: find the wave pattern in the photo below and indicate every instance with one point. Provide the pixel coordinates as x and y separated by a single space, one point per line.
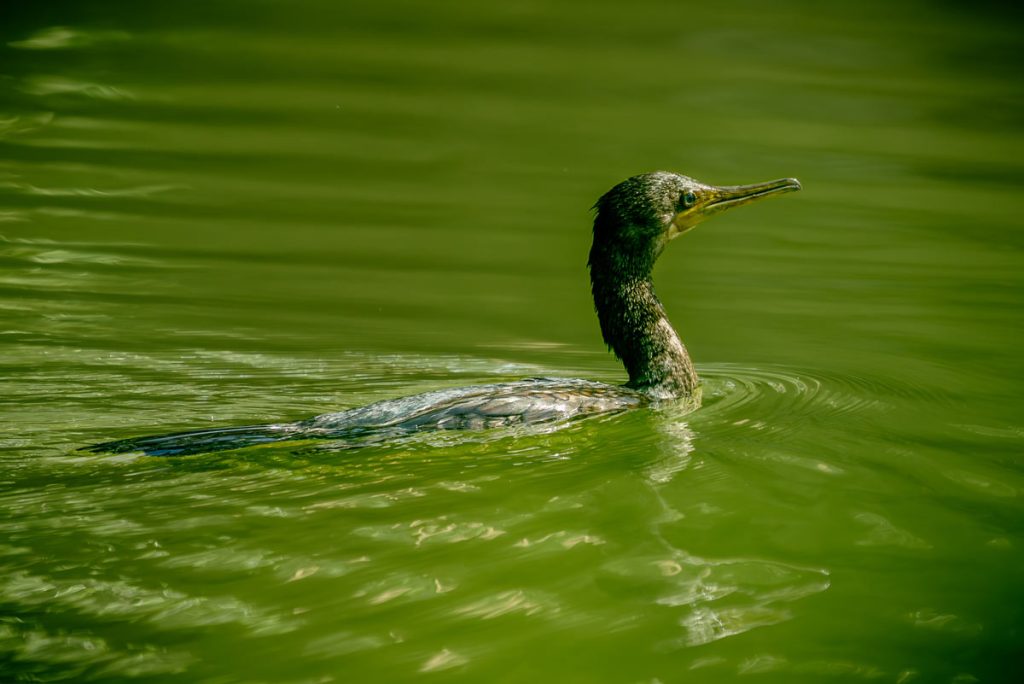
221 218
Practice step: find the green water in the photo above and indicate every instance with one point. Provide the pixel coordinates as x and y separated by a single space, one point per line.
225 213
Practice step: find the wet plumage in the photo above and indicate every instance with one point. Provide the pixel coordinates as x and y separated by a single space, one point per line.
634 222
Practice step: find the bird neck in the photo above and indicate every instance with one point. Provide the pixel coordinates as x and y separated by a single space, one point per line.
635 326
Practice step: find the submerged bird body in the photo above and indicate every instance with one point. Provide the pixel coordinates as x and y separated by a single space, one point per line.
634 222
538 400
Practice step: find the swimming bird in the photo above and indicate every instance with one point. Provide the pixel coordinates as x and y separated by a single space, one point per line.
633 223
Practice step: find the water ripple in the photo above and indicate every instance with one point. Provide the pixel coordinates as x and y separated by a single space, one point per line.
764 398
138 191
119 599
719 597
24 123
66 38
60 85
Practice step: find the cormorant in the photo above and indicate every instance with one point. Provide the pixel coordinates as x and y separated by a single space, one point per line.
633 223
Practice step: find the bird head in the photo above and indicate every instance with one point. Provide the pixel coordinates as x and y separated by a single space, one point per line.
642 214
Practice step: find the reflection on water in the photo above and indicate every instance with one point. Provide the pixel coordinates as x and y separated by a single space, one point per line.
65 37
216 216
566 531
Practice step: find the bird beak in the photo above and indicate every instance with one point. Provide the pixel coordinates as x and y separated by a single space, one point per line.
712 200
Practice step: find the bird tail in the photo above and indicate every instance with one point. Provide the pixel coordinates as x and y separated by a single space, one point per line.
198 441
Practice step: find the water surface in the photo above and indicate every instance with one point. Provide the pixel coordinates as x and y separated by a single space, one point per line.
245 212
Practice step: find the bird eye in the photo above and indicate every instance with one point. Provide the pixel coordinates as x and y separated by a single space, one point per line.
689 198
